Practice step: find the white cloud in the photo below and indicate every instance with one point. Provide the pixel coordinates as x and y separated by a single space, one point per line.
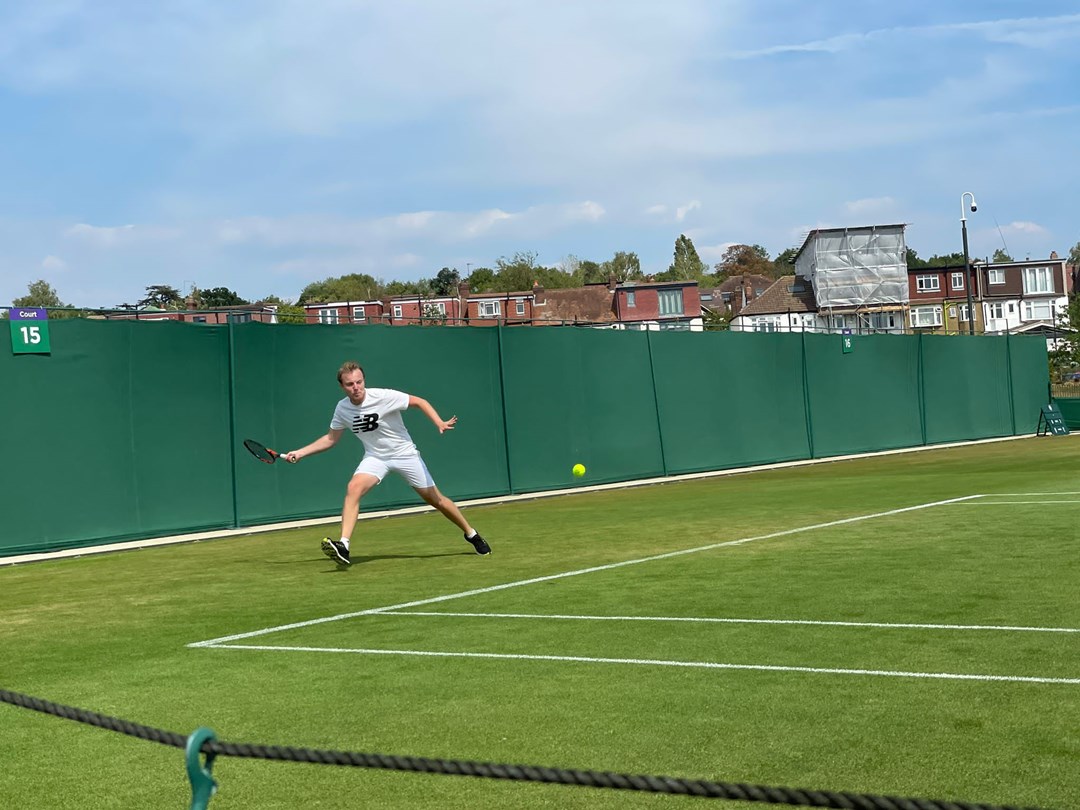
1025 227
870 205
656 210
53 263
107 237
713 253
683 210
588 211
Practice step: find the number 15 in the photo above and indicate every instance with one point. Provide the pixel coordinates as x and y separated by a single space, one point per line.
31 334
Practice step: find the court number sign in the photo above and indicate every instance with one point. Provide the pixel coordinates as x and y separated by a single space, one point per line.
29 330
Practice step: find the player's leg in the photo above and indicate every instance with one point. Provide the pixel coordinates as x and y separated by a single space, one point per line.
367 476
415 473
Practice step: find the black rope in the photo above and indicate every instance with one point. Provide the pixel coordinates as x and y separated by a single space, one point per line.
516 773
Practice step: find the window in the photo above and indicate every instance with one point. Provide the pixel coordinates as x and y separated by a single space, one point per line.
882 321
922 317
675 326
358 315
520 310
488 309
239 317
841 322
328 316
996 275
1038 310
397 310
766 324
199 319
630 302
1037 280
927 283
958 281
996 309
962 311
671 302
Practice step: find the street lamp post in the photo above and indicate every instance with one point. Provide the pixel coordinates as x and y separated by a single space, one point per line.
967 261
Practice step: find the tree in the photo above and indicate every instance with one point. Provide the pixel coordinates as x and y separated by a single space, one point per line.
913 260
1001 256
446 282
161 296
1074 254
41 294
1066 353
591 272
351 287
289 313
624 266
482 279
946 260
686 265
517 273
218 297
744 259
784 263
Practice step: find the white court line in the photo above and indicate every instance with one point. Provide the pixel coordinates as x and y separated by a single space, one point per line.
1005 503
948 676
419 602
1024 494
713 620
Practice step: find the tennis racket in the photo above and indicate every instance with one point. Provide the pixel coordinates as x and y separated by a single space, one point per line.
261 452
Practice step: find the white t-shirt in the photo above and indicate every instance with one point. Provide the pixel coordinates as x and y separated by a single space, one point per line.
377 422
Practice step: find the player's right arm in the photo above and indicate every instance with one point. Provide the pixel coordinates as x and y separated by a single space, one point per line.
321 444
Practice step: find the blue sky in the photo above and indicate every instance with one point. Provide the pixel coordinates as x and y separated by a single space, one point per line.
261 145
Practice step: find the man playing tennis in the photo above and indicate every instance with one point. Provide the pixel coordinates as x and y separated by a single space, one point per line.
374 415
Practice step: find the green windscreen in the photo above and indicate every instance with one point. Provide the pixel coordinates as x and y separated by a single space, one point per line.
134 429
729 399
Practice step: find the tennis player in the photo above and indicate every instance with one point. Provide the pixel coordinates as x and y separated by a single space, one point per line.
374 415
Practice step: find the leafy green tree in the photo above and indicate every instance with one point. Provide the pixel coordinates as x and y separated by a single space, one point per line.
748 259
591 272
351 287
1066 355
946 260
516 273
289 313
715 321
1074 254
421 287
41 294
482 279
624 266
913 260
784 263
686 265
1001 256
446 282
162 296
218 297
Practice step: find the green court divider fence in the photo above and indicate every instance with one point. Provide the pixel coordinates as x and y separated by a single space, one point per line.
131 429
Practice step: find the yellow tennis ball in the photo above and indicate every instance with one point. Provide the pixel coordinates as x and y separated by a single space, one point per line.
579 470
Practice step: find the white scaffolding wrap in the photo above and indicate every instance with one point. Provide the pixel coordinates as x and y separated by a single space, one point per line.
856 267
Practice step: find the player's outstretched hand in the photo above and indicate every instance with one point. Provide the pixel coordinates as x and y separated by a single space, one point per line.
448 424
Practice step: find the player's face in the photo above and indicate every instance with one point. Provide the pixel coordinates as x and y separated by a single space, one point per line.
353 386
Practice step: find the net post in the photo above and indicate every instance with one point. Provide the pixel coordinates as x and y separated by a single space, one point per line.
203 786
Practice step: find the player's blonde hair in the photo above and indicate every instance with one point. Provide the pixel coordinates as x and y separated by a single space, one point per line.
348 368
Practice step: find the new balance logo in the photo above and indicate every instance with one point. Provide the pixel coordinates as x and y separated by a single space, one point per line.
365 423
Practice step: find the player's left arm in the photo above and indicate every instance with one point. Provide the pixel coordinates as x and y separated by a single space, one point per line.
426 407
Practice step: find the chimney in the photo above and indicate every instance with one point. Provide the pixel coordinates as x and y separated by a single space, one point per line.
1053 254
538 294
612 282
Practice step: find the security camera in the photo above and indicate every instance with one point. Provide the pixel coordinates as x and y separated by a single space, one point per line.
974 207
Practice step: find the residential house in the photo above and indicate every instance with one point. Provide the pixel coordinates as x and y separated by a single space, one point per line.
1027 296
734 293
658 305
938 300
788 305
242 313
858 277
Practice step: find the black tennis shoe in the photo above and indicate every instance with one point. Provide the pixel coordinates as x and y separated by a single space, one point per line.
479 544
336 551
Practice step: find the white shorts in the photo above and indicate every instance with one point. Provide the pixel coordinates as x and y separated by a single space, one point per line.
411 468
